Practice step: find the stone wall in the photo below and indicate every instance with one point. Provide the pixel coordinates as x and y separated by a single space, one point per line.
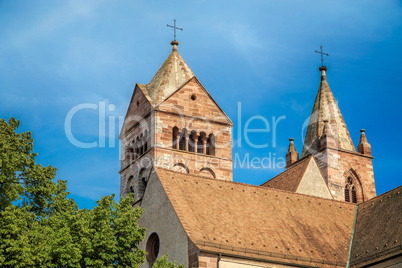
338 165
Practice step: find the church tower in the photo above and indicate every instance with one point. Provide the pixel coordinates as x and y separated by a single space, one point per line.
349 173
173 123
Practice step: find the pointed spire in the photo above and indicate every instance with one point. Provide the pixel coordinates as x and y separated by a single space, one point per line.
171 76
364 147
325 107
292 155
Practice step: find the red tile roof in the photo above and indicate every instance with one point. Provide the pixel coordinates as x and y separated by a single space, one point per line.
378 232
245 220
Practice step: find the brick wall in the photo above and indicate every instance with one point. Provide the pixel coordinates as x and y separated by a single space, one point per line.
198 114
207 260
338 165
189 108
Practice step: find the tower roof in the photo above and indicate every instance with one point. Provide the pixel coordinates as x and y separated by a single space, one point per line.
173 74
326 108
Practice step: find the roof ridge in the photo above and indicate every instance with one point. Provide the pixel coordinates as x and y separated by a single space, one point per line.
258 186
380 196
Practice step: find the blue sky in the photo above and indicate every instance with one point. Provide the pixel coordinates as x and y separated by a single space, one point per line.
55 55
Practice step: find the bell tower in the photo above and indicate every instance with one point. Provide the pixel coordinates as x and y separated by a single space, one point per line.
173 123
349 173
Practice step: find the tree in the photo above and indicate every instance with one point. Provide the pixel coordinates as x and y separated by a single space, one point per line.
163 263
41 227
20 178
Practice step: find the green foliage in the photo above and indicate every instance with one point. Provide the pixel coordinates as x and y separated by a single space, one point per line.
163 263
20 177
41 227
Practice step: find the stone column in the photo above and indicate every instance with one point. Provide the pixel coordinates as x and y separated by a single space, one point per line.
204 149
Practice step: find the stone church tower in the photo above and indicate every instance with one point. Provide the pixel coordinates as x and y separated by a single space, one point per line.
176 157
173 123
348 173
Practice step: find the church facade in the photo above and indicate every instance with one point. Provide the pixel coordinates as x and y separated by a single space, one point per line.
322 211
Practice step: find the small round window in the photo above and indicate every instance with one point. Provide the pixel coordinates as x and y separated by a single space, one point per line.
152 247
193 97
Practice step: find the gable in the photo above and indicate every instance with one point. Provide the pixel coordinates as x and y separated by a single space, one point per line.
289 180
193 100
159 217
313 182
138 109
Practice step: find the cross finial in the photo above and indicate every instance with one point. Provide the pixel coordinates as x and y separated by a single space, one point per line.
322 53
174 28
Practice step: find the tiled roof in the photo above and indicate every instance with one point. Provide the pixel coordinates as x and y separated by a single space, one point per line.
252 221
378 232
290 179
326 108
171 76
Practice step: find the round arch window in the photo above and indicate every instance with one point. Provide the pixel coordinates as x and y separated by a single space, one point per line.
152 247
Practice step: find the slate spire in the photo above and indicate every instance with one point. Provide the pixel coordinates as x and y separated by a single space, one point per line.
326 108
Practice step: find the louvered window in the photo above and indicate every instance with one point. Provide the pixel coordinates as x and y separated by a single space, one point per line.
347 194
354 197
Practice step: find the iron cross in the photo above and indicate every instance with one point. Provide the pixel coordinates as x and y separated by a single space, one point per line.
174 27
322 53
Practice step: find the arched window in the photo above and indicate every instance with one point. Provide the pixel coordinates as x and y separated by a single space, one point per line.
175 138
141 145
354 196
180 167
347 193
133 150
145 141
137 147
207 172
350 190
183 139
130 185
211 145
200 143
152 247
127 152
191 141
